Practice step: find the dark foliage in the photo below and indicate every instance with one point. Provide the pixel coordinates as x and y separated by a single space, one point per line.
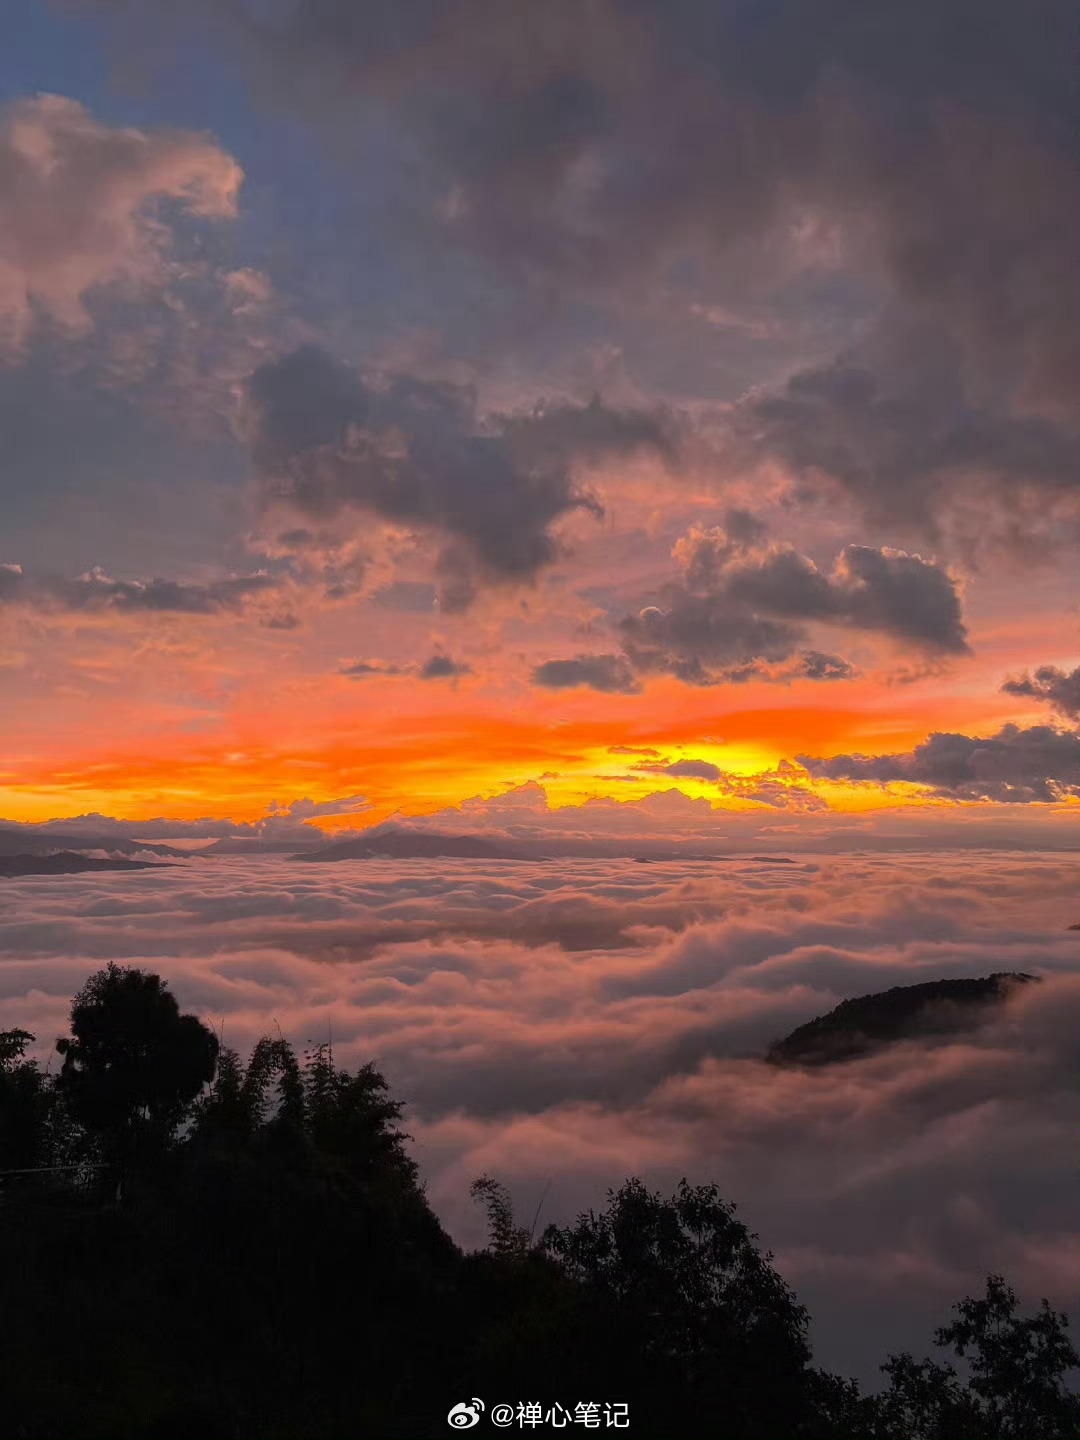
133 1064
1017 1372
36 1130
716 1336
207 1248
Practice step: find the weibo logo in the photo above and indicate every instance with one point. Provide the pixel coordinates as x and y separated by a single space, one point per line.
464 1416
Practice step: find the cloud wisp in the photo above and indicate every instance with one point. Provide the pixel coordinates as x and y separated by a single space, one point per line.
97 593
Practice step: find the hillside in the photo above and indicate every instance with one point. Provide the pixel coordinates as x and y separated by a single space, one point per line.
65 863
863 1024
29 840
395 844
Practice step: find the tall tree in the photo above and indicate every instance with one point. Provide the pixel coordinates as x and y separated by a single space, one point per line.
134 1064
698 1307
24 1103
1018 1372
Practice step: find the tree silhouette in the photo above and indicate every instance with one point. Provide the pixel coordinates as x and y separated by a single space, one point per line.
23 1102
346 1116
506 1239
352 1117
36 1129
688 1265
1017 1385
276 1273
13 1045
133 1064
699 1305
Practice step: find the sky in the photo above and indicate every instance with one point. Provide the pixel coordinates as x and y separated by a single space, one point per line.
604 428
404 405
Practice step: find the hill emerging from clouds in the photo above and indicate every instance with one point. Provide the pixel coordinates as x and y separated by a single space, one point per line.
25 840
65 862
858 1026
665 826
392 843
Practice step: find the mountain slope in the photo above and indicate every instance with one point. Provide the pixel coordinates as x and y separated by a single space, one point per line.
65 863
395 844
16 840
867 1022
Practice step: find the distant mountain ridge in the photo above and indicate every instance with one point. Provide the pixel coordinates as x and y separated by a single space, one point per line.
66 862
858 1026
394 842
17 841
399 844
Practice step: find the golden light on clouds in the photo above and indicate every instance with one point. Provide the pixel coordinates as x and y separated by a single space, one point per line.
435 746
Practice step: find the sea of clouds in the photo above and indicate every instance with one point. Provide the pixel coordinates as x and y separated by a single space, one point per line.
562 1024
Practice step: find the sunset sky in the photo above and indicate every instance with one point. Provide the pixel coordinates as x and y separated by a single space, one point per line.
598 427
403 404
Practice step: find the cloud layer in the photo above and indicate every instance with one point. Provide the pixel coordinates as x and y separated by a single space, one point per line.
574 1023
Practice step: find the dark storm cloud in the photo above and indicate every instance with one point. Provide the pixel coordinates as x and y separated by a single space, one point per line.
870 589
438 667
610 674
818 666
1039 765
409 596
96 592
413 451
361 669
898 594
688 769
442 667
702 640
571 140
901 437
740 607
513 102
1057 688
619 153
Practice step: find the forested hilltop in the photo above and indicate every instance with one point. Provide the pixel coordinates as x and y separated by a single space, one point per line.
195 1246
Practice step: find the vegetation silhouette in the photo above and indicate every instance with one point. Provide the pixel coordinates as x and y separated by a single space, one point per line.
195 1246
